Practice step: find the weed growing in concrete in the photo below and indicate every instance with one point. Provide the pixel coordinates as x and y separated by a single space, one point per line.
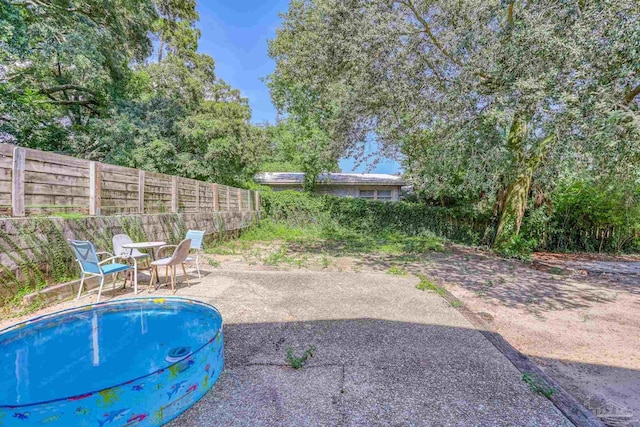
325 261
538 384
456 304
297 362
394 270
556 270
427 284
300 262
214 262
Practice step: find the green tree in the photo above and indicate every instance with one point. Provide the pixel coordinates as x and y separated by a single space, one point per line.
511 91
64 63
299 146
80 77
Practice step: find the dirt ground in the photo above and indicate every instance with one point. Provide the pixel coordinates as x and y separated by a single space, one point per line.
579 324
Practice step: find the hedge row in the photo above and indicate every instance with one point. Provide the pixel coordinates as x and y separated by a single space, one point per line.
573 225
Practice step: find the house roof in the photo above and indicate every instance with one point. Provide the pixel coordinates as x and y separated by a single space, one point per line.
293 178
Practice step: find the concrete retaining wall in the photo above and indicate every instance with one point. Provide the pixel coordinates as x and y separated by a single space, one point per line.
23 239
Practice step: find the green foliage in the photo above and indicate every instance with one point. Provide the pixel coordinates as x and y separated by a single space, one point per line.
66 64
394 270
292 207
78 78
577 217
517 247
483 99
50 259
427 284
299 146
426 223
409 219
269 229
297 362
595 218
538 384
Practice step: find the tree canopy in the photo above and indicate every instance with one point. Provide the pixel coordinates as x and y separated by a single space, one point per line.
481 98
122 81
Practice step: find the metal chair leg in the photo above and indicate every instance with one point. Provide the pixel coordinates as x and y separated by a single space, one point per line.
100 288
173 279
184 270
154 273
198 266
81 285
135 278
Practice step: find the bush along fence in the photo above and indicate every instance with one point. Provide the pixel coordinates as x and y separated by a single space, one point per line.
34 182
378 217
566 227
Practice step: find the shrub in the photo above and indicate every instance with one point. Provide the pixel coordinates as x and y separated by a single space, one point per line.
580 216
293 207
587 217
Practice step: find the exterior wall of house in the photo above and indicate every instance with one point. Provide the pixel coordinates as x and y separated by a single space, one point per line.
375 192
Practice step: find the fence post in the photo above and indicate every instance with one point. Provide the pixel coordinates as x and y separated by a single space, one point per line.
17 182
198 196
215 197
174 194
240 199
256 195
95 188
228 198
141 178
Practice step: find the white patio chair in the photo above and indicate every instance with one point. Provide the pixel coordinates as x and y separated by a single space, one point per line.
197 238
134 254
178 257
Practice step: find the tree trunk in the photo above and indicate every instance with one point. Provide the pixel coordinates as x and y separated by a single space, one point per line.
513 211
515 201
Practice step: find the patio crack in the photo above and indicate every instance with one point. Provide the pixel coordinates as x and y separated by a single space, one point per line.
337 400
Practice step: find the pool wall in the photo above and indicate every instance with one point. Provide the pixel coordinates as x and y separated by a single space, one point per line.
150 400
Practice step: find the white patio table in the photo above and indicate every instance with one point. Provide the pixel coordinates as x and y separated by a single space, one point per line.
151 246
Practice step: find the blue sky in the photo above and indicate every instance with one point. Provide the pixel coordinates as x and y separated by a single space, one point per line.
235 34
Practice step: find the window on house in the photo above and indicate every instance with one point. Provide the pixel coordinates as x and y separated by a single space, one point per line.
367 194
384 194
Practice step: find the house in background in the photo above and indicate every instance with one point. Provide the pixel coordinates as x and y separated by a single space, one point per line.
361 185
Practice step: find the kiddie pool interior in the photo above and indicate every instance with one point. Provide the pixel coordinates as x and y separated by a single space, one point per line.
128 362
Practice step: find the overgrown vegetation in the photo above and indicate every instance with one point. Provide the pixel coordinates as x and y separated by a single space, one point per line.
498 108
297 362
579 217
538 385
125 84
394 270
426 284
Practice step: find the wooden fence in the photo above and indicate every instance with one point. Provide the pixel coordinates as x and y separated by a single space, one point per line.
34 182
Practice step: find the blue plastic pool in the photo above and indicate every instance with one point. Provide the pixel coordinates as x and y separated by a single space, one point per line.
131 362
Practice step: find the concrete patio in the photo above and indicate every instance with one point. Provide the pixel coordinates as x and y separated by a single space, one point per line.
386 353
